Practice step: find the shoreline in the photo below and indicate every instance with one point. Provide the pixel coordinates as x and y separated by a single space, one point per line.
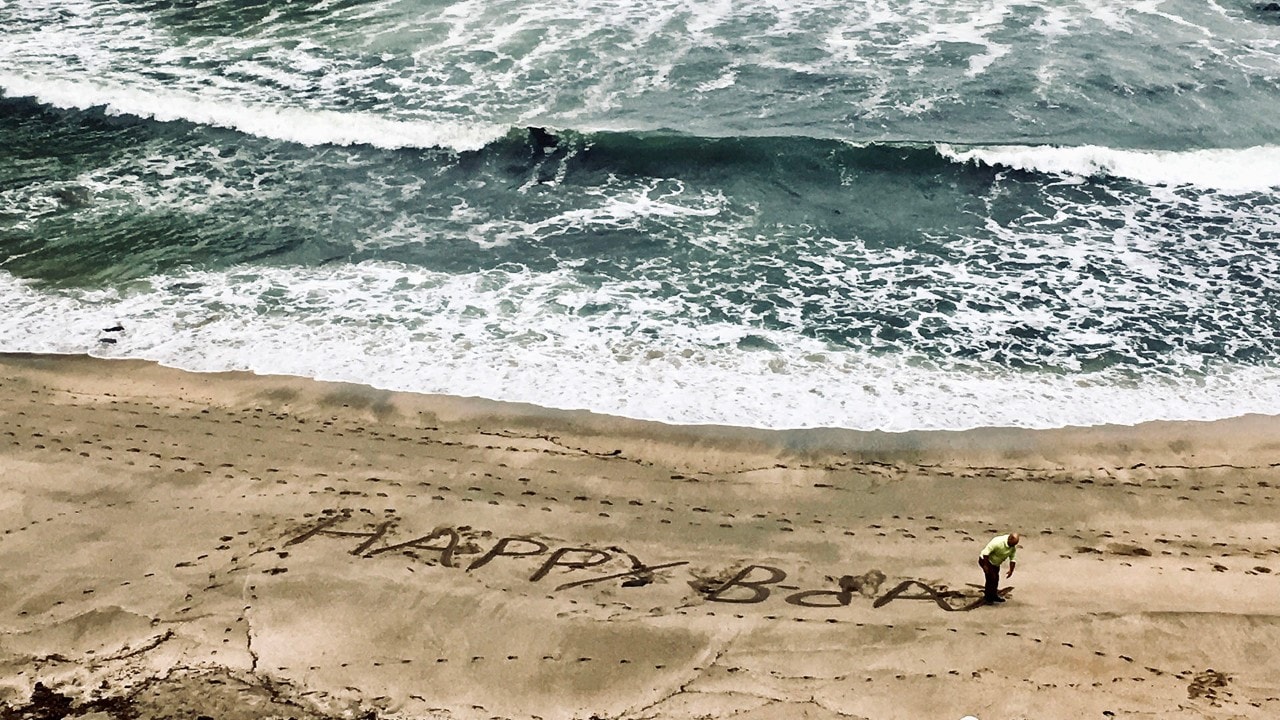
337 549
1126 438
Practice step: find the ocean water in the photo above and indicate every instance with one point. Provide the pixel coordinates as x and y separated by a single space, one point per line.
882 214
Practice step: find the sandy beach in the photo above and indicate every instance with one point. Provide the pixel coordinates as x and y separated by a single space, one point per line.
239 546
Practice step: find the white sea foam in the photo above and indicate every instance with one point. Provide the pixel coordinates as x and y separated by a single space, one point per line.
454 74
615 205
307 127
441 79
551 341
1244 170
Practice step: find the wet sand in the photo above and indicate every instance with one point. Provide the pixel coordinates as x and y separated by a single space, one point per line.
232 545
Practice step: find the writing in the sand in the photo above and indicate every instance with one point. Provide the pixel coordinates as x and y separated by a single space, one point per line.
751 584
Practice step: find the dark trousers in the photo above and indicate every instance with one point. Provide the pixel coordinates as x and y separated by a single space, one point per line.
993 578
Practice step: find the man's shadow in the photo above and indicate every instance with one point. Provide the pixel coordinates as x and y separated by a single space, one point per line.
945 599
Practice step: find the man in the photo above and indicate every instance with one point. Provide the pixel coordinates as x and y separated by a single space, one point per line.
1001 548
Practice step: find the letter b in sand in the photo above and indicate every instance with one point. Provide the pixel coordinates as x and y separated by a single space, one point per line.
757 587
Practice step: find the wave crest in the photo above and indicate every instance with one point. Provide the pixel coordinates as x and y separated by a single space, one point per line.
297 125
1244 170
1230 170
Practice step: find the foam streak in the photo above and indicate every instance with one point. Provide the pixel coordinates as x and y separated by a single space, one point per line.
298 125
1244 170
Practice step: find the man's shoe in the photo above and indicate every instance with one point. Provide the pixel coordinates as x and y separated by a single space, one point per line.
996 599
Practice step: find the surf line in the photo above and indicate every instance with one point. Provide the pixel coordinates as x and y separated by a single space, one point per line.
753 584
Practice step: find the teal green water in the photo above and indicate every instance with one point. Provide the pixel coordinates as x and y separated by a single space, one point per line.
887 216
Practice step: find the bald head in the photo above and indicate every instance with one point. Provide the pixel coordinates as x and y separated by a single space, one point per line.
1014 539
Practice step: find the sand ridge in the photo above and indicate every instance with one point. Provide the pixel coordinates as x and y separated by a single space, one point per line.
263 545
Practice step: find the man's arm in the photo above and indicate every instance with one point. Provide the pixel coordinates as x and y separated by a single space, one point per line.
1012 565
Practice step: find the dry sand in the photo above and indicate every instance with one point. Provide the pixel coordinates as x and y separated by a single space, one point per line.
231 545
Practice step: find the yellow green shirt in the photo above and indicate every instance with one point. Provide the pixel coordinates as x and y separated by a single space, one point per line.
998 550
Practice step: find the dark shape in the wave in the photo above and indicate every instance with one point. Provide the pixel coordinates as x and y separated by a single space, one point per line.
543 145
73 196
107 341
114 328
542 139
1267 12
757 342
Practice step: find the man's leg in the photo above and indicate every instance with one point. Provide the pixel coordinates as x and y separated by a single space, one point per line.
992 572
